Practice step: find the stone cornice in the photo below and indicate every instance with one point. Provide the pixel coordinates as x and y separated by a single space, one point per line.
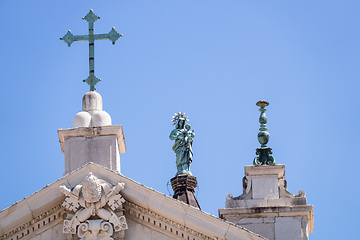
36 225
280 211
278 170
163 224
93 132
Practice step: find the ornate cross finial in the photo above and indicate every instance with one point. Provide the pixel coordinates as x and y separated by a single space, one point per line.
264 152
69 38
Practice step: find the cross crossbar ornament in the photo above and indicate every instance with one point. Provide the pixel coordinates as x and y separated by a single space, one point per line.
69 38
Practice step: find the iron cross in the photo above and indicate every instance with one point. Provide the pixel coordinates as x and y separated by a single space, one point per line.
69 38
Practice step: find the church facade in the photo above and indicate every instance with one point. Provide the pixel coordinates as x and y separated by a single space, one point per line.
94 201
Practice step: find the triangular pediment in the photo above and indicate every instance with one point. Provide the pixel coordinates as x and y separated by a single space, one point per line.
153 212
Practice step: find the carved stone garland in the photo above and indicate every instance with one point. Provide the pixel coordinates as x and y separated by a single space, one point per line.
94 210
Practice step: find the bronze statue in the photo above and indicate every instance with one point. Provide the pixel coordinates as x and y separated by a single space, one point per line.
183 137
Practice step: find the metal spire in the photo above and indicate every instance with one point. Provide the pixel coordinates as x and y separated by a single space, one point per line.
69 38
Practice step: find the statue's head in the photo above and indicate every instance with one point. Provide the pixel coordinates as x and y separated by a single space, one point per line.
187 126
181 123
179 120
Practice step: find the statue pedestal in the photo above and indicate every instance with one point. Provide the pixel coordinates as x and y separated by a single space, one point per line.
183 186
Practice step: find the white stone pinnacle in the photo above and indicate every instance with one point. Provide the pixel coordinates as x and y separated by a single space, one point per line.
92 114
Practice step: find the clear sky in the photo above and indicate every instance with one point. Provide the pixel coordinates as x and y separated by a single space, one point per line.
212 60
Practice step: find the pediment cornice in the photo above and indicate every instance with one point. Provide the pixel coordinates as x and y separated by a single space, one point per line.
36 225
161 223
134 193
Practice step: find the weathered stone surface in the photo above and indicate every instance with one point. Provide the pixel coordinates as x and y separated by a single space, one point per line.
288 228
52 233
102 150
139 231
92 101
265 187
266 230
267 208
100 145
92 114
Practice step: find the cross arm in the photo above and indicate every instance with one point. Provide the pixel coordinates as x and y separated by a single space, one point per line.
101 36
81 37
113 35
69 38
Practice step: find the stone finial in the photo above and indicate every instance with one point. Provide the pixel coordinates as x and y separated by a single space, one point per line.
92 114
264 152
92 101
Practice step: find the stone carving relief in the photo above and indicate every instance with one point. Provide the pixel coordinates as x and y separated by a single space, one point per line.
94 210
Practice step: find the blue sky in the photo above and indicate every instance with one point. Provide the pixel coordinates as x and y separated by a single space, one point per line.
212 60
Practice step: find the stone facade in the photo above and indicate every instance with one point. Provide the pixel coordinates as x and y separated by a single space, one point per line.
149 215
86 203
267 208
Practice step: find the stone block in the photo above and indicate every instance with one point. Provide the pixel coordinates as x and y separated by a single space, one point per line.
269 220
100 145
287 228
102 150
243 221
278 170
264 229
265 187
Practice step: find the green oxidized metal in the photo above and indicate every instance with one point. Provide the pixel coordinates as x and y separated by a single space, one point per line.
182 147
69 38
264 152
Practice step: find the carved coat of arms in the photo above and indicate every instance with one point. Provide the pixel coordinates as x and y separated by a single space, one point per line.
94 210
